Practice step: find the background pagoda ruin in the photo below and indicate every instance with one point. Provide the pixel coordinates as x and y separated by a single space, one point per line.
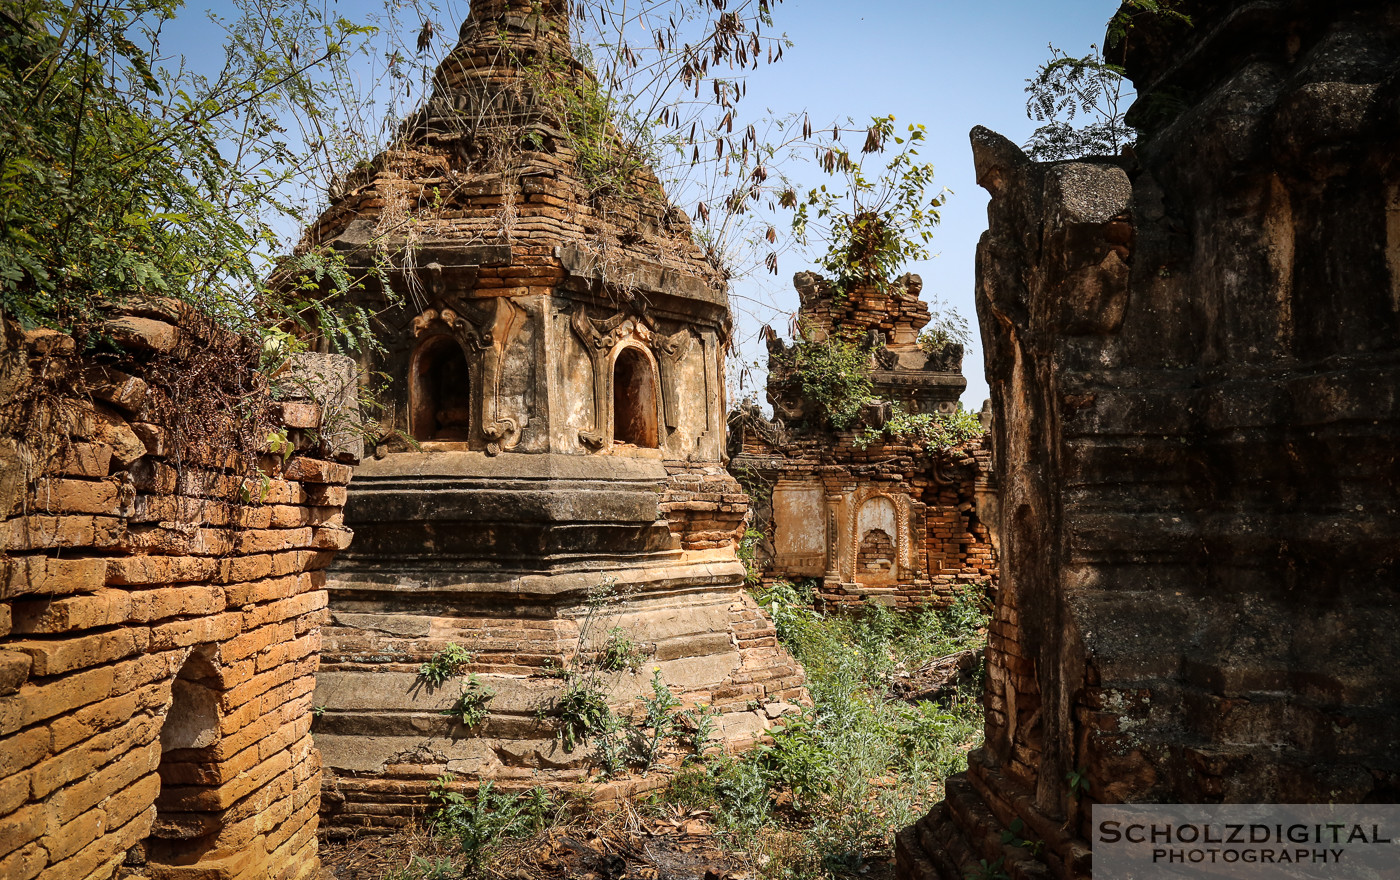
555 347
873 518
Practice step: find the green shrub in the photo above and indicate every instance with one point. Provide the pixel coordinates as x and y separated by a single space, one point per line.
858 765
582 712
833 374
470 707
748 556
444 664
481 823
932 431
658 723
620 652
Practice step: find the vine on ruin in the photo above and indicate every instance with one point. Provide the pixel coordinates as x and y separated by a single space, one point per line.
833 374
929 430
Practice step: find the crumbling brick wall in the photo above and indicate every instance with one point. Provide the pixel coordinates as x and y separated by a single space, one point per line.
815 483
953 543
1192 350
161 616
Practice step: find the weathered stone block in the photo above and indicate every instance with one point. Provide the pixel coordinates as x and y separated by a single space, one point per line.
78 459
102 608
143 334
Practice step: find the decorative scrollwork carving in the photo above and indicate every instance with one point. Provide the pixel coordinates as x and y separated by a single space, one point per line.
601 339
501 432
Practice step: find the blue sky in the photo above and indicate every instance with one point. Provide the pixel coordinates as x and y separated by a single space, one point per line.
947 65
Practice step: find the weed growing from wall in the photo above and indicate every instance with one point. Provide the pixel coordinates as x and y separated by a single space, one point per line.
748 556
444 664
621 652
470 706
833 374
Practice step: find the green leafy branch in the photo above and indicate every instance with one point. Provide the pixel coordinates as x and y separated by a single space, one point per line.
874 223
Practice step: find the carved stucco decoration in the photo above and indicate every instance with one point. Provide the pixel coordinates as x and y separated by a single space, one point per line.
604 340
905 556
485 341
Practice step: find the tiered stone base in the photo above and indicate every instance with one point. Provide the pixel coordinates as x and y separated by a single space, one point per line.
531 564
385 739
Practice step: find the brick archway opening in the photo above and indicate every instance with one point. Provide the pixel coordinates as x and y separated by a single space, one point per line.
634 400
187 822
440 391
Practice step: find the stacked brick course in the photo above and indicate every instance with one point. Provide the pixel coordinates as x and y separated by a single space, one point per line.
160 621
704 506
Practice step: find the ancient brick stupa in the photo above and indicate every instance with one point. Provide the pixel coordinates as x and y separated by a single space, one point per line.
870 517
556 352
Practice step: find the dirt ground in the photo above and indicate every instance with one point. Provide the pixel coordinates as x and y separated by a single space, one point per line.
607 843
613 842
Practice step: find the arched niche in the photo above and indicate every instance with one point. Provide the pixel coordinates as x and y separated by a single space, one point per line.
182 832
439 396
634 399
878 538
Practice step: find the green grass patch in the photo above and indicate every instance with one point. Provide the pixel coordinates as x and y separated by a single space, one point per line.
826 797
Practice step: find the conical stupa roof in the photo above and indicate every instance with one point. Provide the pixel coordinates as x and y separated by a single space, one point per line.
487 173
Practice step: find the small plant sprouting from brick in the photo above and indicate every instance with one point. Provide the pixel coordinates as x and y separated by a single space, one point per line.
748 556
581 709
1013 836
930 430
985 870
621 652
470 707
946 329
444 665
1078 780
832 373
582 712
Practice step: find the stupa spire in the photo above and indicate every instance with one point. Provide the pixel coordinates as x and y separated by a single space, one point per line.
545 20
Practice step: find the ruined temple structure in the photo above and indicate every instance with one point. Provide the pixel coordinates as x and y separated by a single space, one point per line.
554 346
161 601
887 520
1194 351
